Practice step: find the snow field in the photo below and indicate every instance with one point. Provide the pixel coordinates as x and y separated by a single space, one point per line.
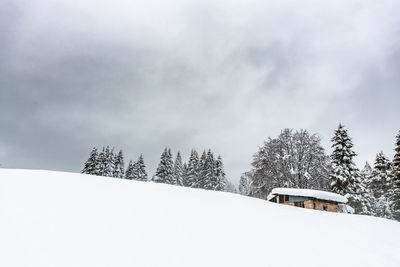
64 219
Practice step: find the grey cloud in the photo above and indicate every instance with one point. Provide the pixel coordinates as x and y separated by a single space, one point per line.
196 74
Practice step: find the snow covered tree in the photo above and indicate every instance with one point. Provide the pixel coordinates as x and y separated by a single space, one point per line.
101 162
208 180
206 172
367 168
378 184
139 170
202 171
345 177
192 175
221 181
294 159
106 162
395 185
171 164
229 187
108 165
91 165
118 171
184 174
245 183
365 174
165 171
129 171
178 169
344 170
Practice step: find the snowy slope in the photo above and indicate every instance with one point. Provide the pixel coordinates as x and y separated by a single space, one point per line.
63 219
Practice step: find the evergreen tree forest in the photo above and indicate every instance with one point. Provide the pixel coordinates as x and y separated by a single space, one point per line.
206 173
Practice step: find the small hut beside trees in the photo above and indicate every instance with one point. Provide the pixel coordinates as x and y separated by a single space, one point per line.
296 159
310 199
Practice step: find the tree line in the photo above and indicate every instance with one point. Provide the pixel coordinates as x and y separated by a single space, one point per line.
205 171
296 159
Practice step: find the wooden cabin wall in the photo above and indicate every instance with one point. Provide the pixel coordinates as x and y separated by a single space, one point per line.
319 205
289 203
308 204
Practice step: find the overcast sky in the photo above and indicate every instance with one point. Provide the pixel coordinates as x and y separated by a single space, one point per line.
224 75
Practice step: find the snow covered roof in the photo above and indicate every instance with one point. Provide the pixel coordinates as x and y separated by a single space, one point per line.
307 193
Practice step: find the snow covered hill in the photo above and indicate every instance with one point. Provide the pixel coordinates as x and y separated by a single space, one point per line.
64 219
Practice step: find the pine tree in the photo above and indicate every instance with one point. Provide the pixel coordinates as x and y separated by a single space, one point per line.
108 162
101 162
345 177
365 173
379 181
379 184
178 169
221 181
230 187
165 172
209 178
367 168
201 170
395 185
342 160
245 184
184 174
119 165
171 178
91 164
129 171
139 170
192 174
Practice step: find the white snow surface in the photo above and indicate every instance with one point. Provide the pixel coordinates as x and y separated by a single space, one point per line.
61 219
307 193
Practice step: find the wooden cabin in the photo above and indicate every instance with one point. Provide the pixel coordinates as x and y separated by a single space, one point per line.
310 199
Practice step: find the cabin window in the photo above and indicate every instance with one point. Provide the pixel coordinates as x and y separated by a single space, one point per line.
287 198
325 207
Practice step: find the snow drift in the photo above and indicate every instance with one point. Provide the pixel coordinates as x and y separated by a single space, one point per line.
64 219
